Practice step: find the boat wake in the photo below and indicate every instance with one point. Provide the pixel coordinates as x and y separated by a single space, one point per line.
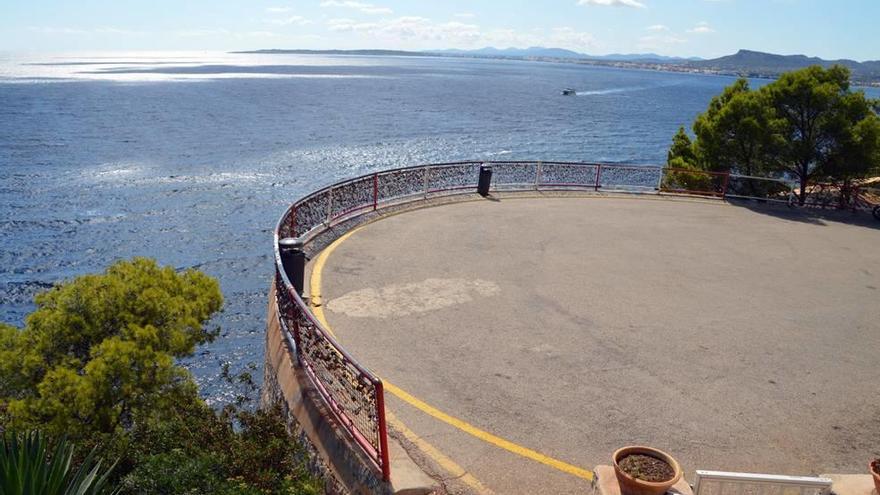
627 89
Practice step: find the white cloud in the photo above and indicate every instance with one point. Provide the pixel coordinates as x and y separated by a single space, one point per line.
660 41
613 3
657 27
566 37
411 28
702 27
415 32
198 33
286 21
364 7
76 31
258 34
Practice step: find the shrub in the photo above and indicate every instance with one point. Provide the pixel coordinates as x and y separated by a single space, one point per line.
96 361
28 468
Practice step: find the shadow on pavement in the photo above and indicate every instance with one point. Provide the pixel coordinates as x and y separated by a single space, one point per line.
814 216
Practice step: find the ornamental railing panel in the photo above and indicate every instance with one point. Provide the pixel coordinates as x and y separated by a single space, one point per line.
554 174
630 178
352 394
401 183
311 212
452 177
352 196
513 175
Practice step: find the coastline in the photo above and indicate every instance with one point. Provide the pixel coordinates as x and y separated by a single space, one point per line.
683 67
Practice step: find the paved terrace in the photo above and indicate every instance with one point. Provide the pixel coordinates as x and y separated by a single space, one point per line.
735 339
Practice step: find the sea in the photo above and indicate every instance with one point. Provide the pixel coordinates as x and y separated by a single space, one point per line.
191 157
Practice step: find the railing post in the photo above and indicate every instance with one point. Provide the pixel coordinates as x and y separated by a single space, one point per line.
329 205
660 180
383 431
425 181
724 185
375 191
297 339
598 176
538 176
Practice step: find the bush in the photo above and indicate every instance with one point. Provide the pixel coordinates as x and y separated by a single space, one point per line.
96 361
28 468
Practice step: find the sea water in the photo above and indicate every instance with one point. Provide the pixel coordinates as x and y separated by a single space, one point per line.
190 158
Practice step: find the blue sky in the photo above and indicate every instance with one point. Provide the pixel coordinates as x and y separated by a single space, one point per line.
706 28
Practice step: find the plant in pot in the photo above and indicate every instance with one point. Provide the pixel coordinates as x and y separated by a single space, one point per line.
645 470
874 467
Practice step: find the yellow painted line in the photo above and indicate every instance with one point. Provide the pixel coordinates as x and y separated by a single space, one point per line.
317 308
488 437
315 278
451 467
447 464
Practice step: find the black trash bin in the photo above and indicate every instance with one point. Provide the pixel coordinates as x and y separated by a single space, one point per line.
485 180
293 259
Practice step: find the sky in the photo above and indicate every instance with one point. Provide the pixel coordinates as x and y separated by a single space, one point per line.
829 29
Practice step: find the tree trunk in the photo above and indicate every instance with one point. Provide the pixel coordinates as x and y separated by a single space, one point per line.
802 197
804 175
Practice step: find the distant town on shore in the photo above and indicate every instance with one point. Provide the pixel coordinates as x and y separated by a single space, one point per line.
745 63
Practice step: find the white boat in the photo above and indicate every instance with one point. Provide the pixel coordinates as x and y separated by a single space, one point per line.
569 92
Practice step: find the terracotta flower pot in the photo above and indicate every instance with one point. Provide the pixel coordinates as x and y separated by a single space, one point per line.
874 468
634 486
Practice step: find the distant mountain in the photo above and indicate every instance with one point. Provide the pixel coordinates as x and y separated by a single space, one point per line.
747 63
385 53
561 53
642 57
752 63
534 51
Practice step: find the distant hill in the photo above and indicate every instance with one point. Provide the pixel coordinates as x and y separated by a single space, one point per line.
384 53
747 63
646 57
534 51
560 53
752 63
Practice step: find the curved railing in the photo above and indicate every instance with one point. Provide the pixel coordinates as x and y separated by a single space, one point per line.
353 394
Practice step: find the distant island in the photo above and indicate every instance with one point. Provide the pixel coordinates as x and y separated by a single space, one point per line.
745 63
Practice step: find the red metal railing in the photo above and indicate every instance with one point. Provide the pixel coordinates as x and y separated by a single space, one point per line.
353 394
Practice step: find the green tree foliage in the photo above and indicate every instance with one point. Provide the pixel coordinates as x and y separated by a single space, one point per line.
807 125
96 362
234 452
738 132
98 353
29 467
816 107
684 173
681 153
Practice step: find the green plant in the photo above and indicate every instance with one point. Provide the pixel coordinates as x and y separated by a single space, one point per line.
97 356
27 467
808 125
96 362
